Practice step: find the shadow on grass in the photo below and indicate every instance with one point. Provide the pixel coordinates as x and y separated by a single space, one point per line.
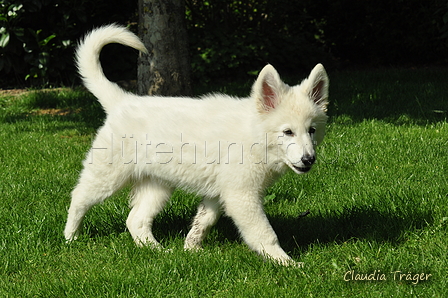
71 108
295 233
360 222
399 96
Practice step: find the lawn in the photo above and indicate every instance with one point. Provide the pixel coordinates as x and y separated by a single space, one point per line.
378 202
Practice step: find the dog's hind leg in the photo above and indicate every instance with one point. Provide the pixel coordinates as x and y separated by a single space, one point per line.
149 196
208 214
94 187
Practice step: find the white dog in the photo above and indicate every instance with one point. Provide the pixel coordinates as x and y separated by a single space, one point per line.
228 150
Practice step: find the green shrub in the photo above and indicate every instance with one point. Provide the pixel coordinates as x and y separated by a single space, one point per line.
228 39
231 38
38 37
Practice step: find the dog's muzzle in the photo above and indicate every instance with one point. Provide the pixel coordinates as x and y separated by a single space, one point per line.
307 161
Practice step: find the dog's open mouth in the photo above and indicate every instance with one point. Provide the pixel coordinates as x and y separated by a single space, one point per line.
299 170
302 169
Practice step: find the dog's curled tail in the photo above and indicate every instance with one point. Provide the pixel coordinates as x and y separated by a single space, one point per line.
89 66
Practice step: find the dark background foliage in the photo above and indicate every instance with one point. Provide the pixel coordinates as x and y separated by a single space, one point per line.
228 39
38 37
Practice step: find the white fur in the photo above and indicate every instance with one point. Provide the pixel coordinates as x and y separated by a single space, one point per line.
226 149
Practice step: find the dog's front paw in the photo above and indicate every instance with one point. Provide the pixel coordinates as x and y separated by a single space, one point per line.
288 262
192 246
70 236
298 264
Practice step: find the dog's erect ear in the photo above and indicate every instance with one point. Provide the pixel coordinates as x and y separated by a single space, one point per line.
318 86
267 88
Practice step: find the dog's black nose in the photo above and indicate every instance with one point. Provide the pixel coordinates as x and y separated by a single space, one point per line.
308 160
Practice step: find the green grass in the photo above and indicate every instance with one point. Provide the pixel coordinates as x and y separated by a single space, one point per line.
378 201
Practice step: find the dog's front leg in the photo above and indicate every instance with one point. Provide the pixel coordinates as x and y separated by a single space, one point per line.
208 214
247 212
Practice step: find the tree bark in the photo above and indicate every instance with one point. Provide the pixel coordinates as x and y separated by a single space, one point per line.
166 69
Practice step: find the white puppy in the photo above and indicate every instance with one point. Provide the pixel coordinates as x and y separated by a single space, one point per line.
228 150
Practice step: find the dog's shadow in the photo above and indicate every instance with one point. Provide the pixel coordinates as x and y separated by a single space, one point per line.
359 222
295 233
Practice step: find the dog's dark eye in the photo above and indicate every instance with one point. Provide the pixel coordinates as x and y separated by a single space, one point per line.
311 130
288 132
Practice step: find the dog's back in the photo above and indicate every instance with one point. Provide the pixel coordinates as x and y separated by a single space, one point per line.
190 143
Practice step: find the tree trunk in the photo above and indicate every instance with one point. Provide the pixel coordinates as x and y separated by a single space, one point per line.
166 69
